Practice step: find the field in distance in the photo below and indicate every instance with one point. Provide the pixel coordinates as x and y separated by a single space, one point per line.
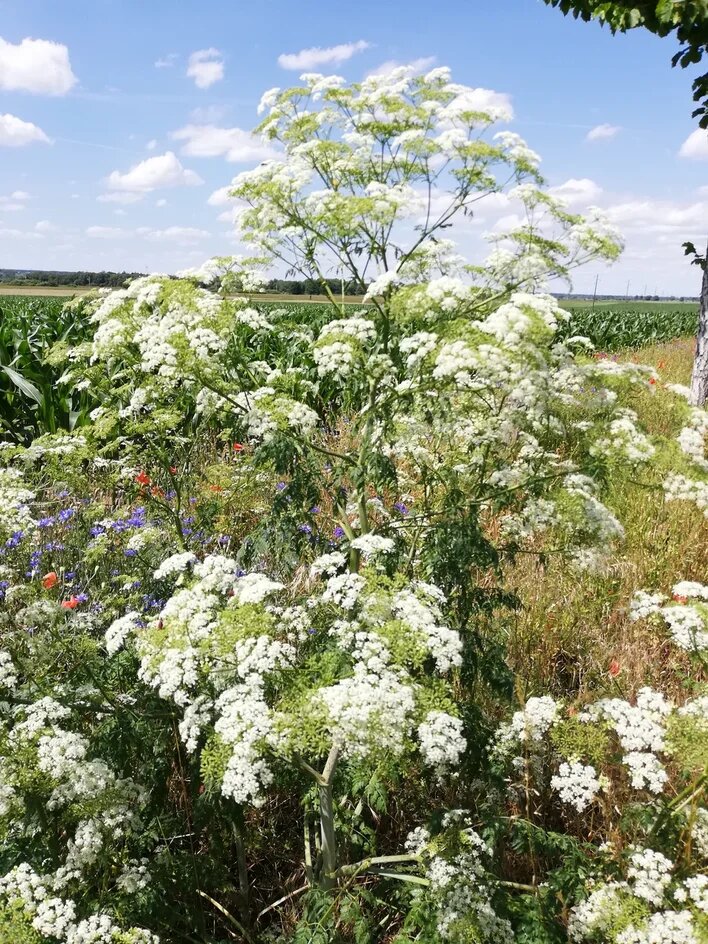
633 305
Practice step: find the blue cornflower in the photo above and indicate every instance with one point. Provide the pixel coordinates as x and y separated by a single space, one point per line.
66 514
401 507
96 530
281 486
315 510
130 552
46 522
338 532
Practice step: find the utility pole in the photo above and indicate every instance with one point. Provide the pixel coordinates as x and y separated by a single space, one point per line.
594 292
627 292
699 377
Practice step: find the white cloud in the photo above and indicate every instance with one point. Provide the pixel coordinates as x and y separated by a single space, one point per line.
208 114
164 170
206 67
647 216
107 232
44 226
482 99
220 197
119 196
166 62
181 235
7 233
14 202
14 132
695 147
120 212
184 235
577 191
600 132
35 65
319 56
234 144
161 203
418 65
152 144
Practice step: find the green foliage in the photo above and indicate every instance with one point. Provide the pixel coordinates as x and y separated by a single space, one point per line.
16 927
577 740
33 398
630 326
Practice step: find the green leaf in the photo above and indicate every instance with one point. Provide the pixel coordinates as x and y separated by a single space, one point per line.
25 386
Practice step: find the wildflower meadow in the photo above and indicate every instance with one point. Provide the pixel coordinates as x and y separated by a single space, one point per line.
374 623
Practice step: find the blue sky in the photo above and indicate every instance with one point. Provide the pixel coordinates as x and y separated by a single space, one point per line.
122 85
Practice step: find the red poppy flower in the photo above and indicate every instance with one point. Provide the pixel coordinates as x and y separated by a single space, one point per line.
239 447
614 668
156 491
652 380
215 488
50 580
679 599
70 604
143 478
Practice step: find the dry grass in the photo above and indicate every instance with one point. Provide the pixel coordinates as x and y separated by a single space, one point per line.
572 627
51 291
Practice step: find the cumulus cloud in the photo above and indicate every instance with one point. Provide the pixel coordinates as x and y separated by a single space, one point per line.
418 65
220 197
151 145
163 170
321 56
9 233
13 202
106 232
234 144
118 196
44 226
601 132
35 65
648 216
206 67
184 235
14 132
208 114
695 147
577 191
166 62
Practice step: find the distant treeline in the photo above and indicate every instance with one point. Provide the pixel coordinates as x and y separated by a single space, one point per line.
279 286
627 298
313 287
41 277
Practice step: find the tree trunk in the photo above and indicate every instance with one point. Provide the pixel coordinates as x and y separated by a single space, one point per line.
699 377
